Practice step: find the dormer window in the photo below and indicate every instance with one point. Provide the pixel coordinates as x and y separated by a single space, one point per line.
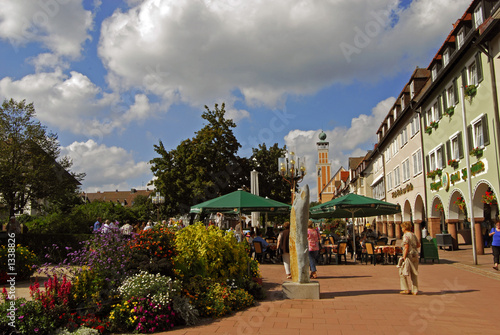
412 89
434 72
460 38
478 16
402 102
446 57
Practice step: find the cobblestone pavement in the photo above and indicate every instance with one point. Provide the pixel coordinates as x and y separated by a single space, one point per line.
456 297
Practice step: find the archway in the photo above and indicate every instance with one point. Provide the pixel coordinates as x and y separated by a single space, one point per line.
437 217
484 202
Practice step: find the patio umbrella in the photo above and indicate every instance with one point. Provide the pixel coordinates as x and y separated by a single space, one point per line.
353 205
238 202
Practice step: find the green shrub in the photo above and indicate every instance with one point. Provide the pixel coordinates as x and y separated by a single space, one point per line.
23 265
210 252
30 318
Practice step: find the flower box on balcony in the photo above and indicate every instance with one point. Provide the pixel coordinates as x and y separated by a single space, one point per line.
434 124
477 152
428 130
453 163
449 111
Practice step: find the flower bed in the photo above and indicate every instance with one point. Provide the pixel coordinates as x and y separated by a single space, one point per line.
119 285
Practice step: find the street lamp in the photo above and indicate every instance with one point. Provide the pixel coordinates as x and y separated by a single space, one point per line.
158 200
293 169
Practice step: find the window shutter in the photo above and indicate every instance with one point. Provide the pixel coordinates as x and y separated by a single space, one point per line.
479 68
443 157
427 163
440 108
455 90
464 77
424 114
445 100
448 150
460 146
469 137
486 133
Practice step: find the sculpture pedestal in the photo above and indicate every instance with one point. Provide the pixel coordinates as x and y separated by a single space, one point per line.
293 290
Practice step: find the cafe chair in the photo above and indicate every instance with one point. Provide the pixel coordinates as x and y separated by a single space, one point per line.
341 251
259 252
369 252
393 242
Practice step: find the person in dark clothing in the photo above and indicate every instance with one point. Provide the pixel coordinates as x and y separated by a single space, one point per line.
284 246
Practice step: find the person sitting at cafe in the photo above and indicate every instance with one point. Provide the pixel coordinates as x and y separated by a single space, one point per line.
265 246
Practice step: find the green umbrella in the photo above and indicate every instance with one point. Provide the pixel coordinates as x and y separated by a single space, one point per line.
238 202
351 206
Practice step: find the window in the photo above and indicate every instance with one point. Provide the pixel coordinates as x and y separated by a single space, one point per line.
379 191
460 38
388 154
434 72
478 133
417 162
406 170
450 96
404 137
361 182
412 89
446 57
436 159
402 102
478 16
472 74
415 125
397 177
389 181
435 112
454 147
395 147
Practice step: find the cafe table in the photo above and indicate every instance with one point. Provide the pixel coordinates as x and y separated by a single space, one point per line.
388 251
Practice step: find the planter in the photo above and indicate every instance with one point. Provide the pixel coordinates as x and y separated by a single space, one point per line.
453 163
450 111
428 130
476 152
434 124
470 91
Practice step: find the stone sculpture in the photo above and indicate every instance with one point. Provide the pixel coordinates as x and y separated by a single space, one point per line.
299 217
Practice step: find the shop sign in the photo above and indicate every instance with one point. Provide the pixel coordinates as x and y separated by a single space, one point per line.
402 190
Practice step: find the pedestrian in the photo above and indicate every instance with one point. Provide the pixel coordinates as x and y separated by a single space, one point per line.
495 244
284 246
237 231
106 227
98 224
408 266
219 220
127 229
313 239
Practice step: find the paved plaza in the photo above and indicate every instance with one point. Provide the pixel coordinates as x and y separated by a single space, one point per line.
455 297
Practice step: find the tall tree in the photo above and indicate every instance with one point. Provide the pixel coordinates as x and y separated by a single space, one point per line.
200 168
30 167
271 184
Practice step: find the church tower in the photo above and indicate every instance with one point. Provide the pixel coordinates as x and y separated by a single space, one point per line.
323 167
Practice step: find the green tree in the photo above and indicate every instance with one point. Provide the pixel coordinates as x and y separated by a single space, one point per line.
200 168
30 166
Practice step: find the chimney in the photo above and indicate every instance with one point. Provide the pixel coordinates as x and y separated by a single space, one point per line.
133 190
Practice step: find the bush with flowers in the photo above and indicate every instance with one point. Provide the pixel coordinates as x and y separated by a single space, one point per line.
153 251
30 318
25 262
460 203
210 252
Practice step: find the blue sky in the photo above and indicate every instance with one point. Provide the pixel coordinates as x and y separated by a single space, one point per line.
112 78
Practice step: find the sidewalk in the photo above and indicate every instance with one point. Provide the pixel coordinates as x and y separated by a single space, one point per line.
456 297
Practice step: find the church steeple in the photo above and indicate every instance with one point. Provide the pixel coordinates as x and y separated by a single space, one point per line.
323 167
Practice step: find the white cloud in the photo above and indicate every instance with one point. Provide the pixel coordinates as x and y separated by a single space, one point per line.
59 25
76 104
344 142
106 168
198 51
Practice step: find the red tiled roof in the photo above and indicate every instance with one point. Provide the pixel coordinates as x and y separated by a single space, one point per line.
123 197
